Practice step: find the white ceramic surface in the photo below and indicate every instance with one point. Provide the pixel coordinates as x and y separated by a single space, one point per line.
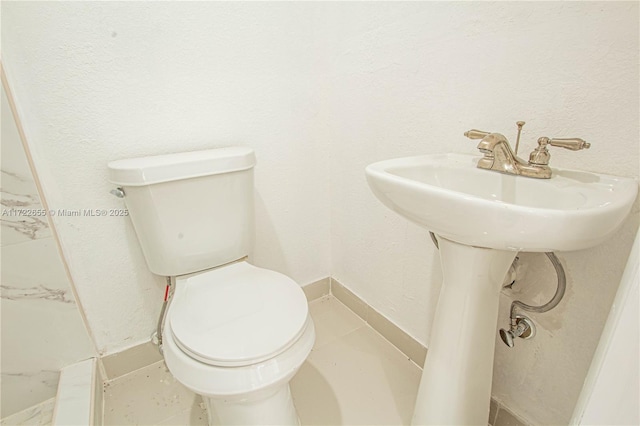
235 334
242 395
450 196
237 315
482 219
182 165
455 388
271 407
191 211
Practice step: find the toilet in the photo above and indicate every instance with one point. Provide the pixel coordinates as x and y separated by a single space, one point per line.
233 332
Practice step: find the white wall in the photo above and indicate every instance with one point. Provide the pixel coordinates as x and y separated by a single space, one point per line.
410 78
102 81
320 90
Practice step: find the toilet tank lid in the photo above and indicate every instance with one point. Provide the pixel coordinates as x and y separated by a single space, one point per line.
169 167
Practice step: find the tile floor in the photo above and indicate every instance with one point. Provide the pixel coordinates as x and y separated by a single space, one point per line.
352 377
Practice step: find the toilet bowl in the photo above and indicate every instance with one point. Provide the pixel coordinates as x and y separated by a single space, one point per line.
237 335
234 333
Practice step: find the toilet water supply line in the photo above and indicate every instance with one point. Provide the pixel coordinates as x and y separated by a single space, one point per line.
522 326
156 337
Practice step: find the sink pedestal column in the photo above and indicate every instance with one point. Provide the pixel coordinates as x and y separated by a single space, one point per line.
455 388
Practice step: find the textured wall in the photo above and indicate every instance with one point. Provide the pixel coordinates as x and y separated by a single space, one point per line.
320 90
109 80
42 330
410 78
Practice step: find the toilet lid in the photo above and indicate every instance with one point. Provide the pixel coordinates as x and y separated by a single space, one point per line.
237 314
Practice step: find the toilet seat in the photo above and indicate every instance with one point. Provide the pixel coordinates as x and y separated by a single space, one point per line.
232 383
236 315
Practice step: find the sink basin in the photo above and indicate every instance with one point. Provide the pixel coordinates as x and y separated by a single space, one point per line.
448 195
482 219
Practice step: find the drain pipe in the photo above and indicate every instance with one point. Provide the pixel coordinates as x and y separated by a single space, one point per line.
156 336
521 326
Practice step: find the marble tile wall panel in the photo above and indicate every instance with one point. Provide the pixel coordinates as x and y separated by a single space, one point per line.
37 415
21 216
41 327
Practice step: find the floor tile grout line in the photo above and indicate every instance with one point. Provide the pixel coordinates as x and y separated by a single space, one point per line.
366 323
330 297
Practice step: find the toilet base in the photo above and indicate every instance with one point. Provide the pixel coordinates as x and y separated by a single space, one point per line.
274 407
256 394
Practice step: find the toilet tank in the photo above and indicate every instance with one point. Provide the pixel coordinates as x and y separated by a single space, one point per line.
191 211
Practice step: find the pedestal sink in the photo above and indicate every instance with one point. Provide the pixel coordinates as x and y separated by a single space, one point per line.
482 220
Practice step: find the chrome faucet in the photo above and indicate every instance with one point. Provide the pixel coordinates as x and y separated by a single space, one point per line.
499 157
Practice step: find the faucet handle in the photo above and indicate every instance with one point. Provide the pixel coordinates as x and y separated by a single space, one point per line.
540 156
476 134
574 144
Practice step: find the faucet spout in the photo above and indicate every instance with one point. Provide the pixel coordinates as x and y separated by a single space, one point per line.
488 143
498 155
